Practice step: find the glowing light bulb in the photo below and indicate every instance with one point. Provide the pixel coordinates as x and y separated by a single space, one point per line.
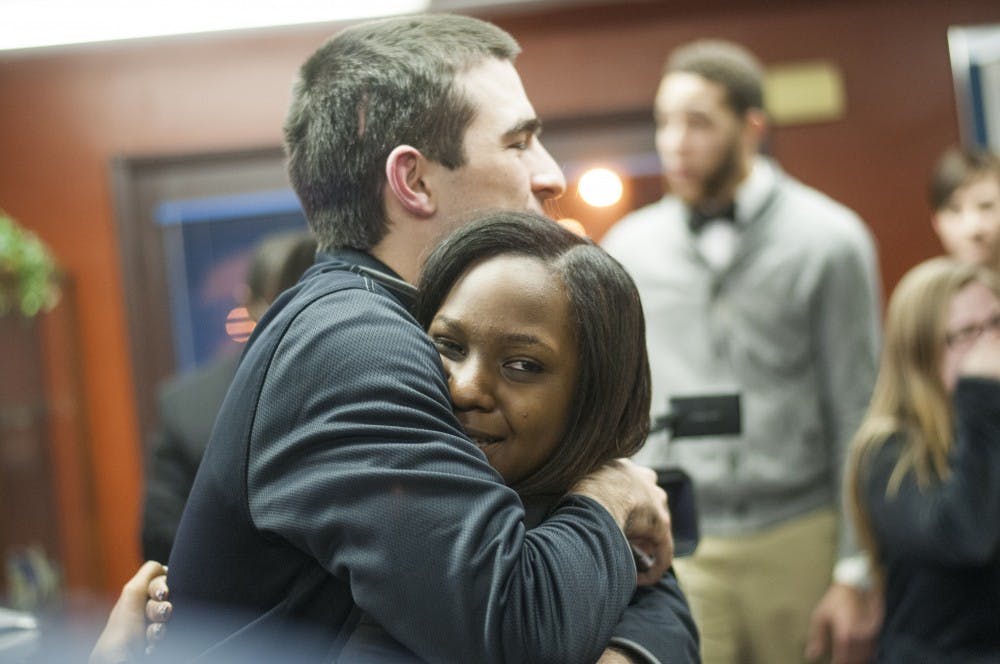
600 187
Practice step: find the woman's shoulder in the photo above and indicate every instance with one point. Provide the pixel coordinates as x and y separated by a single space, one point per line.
881 456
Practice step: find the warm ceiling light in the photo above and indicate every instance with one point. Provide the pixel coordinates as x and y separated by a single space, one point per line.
36 23
600 187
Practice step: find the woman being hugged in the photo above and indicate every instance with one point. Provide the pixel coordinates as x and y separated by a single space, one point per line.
541 337
924 471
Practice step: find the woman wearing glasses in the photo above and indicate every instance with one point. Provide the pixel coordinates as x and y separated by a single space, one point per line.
924 473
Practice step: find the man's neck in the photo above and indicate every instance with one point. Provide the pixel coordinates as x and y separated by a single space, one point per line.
713 206
403 263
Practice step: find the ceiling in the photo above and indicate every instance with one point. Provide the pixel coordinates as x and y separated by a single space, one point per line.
30 26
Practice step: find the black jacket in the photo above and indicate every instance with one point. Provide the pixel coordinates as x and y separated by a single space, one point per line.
337 481
940 546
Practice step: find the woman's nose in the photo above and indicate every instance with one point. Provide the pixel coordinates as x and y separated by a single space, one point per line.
470 386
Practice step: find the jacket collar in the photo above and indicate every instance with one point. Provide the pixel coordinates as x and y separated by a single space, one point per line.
368 266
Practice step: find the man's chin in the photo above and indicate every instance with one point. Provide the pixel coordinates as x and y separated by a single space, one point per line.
690 196
979 257
686 190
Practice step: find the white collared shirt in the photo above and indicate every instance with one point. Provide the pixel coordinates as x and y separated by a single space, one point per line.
718 239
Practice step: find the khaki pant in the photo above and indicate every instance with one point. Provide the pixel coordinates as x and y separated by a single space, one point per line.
752 596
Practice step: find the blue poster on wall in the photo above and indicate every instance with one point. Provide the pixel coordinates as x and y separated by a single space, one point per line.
209 243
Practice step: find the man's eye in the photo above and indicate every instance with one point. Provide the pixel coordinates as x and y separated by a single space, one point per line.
523 144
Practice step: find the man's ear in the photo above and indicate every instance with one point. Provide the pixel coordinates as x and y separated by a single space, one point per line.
755 127
936 224
405 169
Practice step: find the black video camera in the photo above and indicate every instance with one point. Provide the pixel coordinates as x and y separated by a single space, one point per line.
692 417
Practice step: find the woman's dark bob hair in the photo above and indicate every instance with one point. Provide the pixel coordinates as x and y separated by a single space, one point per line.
609 412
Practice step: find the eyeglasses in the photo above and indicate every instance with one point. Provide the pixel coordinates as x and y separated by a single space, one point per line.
964 336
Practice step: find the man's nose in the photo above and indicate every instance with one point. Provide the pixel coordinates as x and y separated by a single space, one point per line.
547 179
671 138
973 221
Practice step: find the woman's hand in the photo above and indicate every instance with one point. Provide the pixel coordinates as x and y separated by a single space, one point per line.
983 359
124 635
158 608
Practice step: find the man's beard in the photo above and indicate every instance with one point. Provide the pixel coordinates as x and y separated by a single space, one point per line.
722 177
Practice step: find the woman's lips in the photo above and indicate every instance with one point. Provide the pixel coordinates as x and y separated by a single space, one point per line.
481 438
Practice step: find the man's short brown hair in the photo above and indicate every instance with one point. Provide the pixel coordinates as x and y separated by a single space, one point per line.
726 63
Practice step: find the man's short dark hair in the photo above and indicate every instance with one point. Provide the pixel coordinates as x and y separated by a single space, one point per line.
957 168
609 412
730 65
367 90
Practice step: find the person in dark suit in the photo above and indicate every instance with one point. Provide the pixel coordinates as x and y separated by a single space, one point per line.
189 403
338 481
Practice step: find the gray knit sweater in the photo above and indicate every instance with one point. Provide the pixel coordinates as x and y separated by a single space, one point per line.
791 324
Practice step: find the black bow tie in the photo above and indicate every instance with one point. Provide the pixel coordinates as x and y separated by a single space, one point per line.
699 217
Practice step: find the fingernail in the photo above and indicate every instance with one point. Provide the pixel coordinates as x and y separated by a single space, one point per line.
163 610
161 594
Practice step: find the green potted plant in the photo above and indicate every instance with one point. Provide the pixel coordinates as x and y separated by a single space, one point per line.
28 274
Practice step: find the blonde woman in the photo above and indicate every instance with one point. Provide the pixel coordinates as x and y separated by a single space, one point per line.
924 472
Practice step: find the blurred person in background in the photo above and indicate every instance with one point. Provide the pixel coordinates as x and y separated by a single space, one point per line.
924 472
189 403
965 196
758 286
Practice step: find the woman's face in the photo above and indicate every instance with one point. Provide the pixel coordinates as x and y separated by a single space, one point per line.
968 224
506 339
973 311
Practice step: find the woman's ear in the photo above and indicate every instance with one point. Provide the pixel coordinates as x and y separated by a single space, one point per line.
405 168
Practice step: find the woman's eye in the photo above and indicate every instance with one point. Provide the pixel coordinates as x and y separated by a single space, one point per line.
448 347
527 366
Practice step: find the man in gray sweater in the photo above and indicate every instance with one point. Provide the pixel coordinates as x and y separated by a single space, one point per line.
757 287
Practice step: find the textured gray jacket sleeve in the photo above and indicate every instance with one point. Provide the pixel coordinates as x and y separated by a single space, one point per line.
657 627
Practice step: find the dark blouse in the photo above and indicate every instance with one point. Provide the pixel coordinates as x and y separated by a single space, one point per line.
940 545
